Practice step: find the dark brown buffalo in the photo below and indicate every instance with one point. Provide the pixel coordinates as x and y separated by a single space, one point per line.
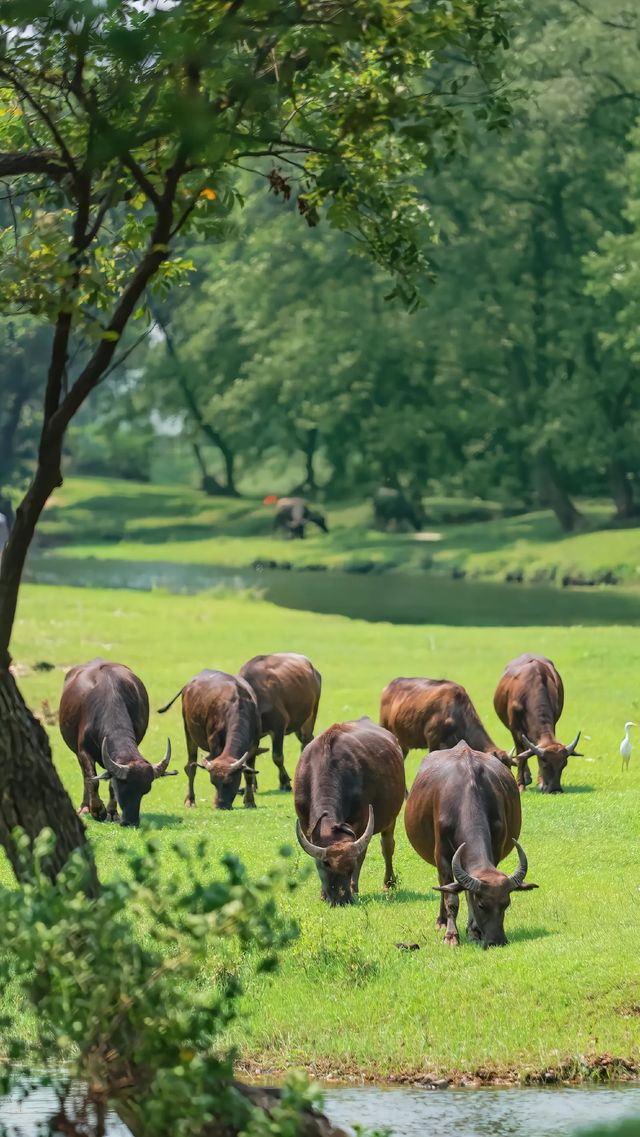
463 816
435 713
287 687
348 785
220 716
529 700
103 716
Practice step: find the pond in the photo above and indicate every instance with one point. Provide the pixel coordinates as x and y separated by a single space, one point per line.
399 598
531 1112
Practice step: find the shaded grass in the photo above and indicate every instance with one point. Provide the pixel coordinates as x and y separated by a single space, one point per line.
127 521
346 999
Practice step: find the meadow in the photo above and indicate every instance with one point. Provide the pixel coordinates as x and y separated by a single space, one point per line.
118 520
562 1000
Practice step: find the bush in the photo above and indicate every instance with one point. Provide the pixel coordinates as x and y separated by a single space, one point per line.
117 985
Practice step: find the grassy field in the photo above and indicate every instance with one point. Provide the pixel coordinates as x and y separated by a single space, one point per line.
563 994
126 521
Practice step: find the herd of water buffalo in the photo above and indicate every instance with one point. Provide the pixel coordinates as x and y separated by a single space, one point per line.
463 812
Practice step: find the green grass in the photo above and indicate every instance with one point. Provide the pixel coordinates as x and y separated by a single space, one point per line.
346 1000
126 521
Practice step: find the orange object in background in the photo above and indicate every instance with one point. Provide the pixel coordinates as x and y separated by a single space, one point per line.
270 499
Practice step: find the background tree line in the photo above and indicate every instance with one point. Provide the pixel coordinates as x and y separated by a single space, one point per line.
517 379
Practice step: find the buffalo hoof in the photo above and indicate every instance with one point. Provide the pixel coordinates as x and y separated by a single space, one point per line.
285 787
99 814
389 885
452 940
190 803
114 817
250 805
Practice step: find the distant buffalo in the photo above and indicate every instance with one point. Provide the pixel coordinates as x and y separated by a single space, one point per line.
392 508
293 514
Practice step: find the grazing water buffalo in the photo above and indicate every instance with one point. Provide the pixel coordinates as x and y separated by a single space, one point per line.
293 514
103 716
529 700
348 785
435 713
287 687
465 807
391 507
220 716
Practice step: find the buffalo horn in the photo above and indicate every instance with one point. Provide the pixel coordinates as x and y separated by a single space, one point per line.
572 749
160 769
360 846
534 749
113 768
314 851
517 877
470 883
239 764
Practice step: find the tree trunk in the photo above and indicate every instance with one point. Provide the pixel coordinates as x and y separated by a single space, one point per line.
621 488
552 492
311 445
208 483
31 793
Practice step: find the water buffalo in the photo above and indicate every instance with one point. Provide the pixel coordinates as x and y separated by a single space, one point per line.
293 514
348 785
465 807
391 507
435 713
103 716
220 715
287 687
529 699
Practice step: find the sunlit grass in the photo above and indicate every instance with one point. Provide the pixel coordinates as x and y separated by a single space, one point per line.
346 998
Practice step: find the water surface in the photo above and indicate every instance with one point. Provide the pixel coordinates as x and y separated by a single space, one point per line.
399 598
557 1112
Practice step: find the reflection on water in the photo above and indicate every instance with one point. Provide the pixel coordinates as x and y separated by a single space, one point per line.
483 1113
415 1112
399 598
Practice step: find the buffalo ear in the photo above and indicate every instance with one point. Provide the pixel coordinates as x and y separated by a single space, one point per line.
262 750
526 886
452 889
577 754
106 777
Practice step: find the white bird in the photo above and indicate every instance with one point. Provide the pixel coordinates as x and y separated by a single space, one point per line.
625 745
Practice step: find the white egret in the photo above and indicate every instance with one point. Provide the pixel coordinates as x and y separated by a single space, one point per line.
625 745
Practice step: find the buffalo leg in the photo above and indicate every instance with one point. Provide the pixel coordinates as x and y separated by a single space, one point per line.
112 808
277 751
473 931
190 769
451 904
524 773
91 802
250 784
388 844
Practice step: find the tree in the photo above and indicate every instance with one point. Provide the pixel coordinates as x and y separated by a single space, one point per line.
122 125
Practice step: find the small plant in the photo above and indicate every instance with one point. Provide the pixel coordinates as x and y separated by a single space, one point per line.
130 1016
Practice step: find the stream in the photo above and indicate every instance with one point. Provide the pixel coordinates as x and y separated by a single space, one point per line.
399 598
412 1112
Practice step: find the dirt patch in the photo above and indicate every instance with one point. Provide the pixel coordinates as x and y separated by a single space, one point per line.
574 1071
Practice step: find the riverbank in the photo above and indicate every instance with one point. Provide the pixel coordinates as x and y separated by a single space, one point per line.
117 520
347 1000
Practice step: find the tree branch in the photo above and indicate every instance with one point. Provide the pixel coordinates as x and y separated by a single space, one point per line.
43 163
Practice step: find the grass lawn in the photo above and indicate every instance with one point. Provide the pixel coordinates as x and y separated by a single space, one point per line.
127 521
564 992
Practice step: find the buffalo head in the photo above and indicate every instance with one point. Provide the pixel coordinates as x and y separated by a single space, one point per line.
552 760
225 775
338 863
488 896
131 780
